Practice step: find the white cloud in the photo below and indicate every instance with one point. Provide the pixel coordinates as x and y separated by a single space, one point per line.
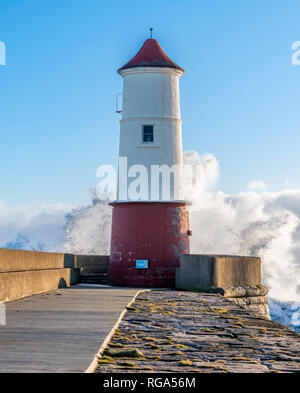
256 185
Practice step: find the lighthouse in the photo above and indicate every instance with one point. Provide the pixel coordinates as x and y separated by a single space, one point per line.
150 221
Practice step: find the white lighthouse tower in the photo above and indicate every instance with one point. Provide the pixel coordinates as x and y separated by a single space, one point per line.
150 229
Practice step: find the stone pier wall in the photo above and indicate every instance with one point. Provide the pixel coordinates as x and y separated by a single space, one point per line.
25 273
189 332
237 278
253 298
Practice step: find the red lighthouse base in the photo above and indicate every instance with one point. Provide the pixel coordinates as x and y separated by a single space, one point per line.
154 231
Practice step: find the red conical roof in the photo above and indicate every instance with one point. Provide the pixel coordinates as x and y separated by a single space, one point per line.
150 55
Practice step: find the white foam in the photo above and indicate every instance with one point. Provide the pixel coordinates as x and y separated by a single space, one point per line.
266 224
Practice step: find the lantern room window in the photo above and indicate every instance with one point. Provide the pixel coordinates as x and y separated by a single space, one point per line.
148 134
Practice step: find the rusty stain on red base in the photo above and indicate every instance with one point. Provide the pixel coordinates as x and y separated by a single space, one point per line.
153 231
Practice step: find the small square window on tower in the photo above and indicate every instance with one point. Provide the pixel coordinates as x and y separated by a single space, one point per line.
148 134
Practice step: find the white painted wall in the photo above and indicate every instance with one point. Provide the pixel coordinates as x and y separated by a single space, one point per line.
151 97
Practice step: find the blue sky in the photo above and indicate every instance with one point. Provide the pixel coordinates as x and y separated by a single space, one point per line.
240 94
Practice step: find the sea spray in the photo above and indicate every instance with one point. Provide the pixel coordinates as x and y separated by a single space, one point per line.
254 225
266 224
249 223
286 313
87 229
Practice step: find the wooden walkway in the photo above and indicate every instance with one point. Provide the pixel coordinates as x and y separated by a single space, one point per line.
61 330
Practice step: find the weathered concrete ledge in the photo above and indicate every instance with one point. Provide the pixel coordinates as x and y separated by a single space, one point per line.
176 331
91 263
16 285
210 271
21 260
253 298
237 278
25 273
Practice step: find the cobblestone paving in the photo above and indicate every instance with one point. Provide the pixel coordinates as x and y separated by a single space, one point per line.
175 331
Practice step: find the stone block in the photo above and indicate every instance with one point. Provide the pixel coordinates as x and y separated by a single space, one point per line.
203 272
16 285
24 273
21 260
92 263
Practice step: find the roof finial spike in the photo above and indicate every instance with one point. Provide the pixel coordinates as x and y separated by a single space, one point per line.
151 29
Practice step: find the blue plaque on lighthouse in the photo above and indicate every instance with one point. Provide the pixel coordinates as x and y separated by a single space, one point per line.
141 264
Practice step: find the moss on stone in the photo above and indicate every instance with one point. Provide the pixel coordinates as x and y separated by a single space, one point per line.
128 364
182 346
130 308
169 313
167 342
116 345
195 370
239 323
154 357
154 346
135 337
176 353
105 360
208 366
129 353
243 359
227 317
149 339
185 362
